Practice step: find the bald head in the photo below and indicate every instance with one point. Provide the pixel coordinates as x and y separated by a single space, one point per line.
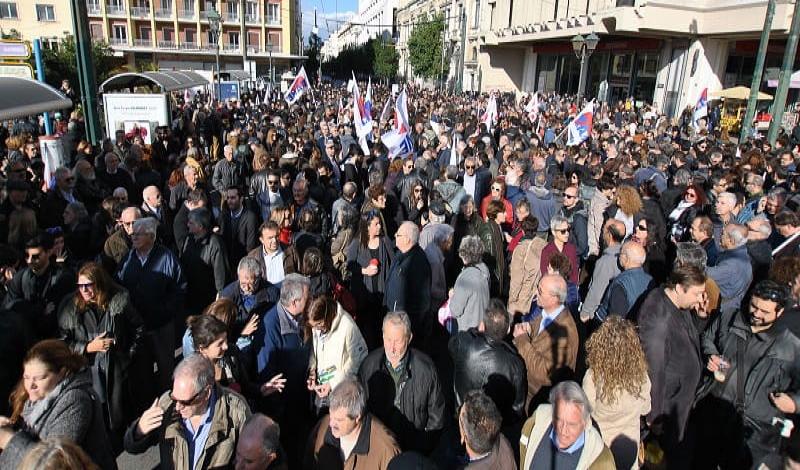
733 236
614 232
258 444
407 236
128 217
552 291
632 255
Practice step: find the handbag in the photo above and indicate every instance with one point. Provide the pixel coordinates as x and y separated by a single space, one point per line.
343 296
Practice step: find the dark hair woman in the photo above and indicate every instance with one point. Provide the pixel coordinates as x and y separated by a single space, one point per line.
54 399
100 323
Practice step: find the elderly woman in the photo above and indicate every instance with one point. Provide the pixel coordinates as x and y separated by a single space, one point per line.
77 230
54 399
559 227
525 269
100 323
618 387
337 346
435 252
470 295
497 192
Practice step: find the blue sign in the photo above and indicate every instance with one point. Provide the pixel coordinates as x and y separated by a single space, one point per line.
228 91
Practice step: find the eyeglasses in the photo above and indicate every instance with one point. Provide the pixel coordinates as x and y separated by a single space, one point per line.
643 228
272 182
469 167
496 188
561 230
190 401
86 286
690 194
569 196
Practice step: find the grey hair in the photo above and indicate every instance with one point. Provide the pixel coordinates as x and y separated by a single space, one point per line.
443 233
571 392
757 179
349 394
777 193
451 172
293 287
436 219
137 213
62 172
200 369
270 431
682 177
148 225
471 250
691 254
556 221
119 191
763 227
412 232
397 318
636 258
201 216
737 233
79 209
559 289
729 196
249 265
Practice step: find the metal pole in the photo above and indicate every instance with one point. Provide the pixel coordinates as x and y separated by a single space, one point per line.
86 70
757 73
463 49
785 76
37 53
244 35
582 73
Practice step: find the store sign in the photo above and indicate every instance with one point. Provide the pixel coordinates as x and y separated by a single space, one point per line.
14 49
8 69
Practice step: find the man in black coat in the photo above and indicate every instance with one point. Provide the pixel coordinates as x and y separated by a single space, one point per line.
403 388
251 294
205 262
154 206
238 227
482 360
112 176
408 283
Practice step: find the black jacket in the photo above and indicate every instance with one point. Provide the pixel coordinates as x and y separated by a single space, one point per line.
240 235
408 288
479 362
266 296
206 266
38 297
416 416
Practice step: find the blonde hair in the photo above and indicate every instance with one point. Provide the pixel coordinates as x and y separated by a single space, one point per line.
628 200
615 355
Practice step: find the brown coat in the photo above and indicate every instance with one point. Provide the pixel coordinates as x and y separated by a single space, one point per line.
374 449
549 356
500 458
525 274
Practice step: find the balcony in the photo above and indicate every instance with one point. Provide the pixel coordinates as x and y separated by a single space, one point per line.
118 41
142 42
253 50
252 19
231 17
203 15
272 48
115 10
186 14
190 46
231 48
140 12
93 8
167 45
273 21
163 13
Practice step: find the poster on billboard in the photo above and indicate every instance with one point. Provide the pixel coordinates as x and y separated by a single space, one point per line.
143 129
121 108
228 91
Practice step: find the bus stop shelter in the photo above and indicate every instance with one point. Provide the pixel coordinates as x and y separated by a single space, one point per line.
20 97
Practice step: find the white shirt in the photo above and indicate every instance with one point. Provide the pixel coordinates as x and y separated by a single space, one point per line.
548 318
469 186
274 266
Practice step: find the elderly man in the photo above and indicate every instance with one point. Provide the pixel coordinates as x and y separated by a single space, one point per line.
408 283
252 295
196 199
483 360
179 421
560 435
549 343
118 244
181 191
758 232
626 291
726 210
605 269
755 204
112 176
702 233
436 253
153 206
259 446
227 172
51 210
205 261
738 431
281 349
403 387
733 272
153 277
349 436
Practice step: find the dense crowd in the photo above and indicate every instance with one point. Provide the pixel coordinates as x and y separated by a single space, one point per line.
253 290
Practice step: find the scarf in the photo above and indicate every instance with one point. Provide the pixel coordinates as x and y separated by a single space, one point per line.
34 412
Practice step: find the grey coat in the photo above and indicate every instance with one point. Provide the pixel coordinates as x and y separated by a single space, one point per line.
733 274
73 414
470 296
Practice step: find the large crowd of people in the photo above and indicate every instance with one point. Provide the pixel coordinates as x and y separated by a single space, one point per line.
261 288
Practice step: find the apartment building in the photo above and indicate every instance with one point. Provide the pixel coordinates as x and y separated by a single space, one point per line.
175 34
660 51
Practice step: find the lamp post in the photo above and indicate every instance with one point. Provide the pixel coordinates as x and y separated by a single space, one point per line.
271 72
214 26
584 47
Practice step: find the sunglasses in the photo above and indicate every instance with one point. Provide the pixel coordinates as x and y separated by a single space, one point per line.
569 196
86 286
643 228
496 188
190 401
470 167
561 230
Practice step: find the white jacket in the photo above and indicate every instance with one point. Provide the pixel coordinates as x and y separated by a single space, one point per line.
338 352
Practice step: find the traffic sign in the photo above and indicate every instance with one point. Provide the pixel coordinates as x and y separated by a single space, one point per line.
10 69
15 49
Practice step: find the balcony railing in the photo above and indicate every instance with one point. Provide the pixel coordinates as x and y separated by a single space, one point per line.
186 14
274 20
118 41
143 42
272 48
253 19
190 46
231 47
204 15
140 12
253 49
93 8
115 10
163 13
231 17
167 45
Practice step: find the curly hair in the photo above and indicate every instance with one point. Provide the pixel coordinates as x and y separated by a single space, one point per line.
785 270
628 200
616 357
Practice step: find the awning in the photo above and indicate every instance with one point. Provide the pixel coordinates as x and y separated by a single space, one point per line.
21 97
167 81
237 75
738 93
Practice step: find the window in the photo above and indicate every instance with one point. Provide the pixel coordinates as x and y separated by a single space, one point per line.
8 10
273 13
120 33
233 9
477 14
233 39
168 34
45 13
251 9
144 33
96 30
253 40
190 35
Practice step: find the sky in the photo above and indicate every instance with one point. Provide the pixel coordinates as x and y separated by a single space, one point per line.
326 13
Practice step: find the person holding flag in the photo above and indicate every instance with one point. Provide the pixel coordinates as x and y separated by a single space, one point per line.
298 87
581 127
362 117
700 110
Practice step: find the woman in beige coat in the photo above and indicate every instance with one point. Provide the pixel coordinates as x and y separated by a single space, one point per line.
525 271
618 387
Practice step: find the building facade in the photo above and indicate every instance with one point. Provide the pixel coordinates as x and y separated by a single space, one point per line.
175 34
664 52
47 20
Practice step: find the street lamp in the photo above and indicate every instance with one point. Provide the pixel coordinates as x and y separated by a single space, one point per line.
214 26
271 71
584 47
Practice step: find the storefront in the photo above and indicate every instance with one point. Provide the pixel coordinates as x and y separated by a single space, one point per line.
629 66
